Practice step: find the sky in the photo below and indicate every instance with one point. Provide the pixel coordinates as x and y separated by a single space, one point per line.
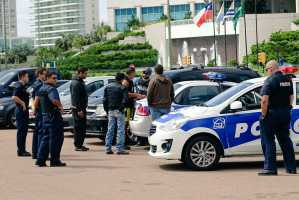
25 18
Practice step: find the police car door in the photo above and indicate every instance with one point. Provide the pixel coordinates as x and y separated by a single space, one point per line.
242 128
295 117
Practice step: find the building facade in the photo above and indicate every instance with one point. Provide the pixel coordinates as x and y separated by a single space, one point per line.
52 18
8 20
273 15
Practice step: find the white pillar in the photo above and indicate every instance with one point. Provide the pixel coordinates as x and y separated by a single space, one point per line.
139 13
165 9
111 18
192 8
297 6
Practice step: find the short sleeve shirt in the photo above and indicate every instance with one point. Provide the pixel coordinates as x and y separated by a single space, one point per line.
20 91
53 94
36 86
279 88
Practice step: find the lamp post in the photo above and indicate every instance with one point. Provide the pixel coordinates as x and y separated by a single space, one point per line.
4 33
168 51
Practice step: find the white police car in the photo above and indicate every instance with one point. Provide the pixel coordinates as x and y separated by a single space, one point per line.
227 125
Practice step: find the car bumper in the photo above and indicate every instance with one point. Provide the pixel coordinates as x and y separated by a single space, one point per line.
140 126
161 138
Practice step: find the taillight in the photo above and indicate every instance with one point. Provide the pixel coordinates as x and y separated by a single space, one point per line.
142 111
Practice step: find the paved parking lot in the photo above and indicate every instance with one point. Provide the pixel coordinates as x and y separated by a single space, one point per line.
95 176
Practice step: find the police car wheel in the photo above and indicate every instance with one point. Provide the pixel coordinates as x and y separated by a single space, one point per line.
202 153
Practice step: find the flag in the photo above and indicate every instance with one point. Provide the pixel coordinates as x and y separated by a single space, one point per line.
204 15
239 13
230 12
220 16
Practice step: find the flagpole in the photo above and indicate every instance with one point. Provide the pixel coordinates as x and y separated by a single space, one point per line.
215 53
245 29
256 34
236 37
225 44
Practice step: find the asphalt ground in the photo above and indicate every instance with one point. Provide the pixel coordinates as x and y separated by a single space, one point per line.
94 175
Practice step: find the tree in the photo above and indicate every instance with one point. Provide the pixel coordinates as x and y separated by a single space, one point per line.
78 42
48 55
134 23
65 42
101 32
19 54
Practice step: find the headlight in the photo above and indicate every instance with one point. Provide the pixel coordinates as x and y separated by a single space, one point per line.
2 107
100 112
173 125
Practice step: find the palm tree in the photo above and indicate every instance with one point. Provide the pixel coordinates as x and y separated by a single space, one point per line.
101 32
65 42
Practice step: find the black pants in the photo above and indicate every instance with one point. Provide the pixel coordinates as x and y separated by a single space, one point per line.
79 129
22 119
277 123
37 134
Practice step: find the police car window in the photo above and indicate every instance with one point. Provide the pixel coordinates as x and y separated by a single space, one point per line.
251 100
180 98
94 86
222 97
176 86
297 93
7 76
99 93
200 94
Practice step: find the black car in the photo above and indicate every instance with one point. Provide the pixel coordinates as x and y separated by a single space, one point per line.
231 74
8 77
7 112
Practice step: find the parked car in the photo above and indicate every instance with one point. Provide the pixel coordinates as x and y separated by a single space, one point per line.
231 74
8 77
187 93
92 85
7 112
227 125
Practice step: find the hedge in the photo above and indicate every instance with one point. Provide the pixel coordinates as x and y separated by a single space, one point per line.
115 47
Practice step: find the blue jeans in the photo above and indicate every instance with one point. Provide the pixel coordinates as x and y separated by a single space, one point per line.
115 117
156 113
277 124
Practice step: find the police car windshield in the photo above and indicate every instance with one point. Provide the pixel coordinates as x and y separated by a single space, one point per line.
65 87
222 97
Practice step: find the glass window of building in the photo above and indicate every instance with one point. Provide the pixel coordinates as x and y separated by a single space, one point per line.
179 12
122 17
150 14
199 7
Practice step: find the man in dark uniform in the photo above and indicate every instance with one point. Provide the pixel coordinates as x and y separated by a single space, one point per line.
143 82
21 98
40 78
79 104
52 137
277 98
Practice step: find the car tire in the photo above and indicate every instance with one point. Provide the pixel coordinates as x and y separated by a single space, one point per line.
202 153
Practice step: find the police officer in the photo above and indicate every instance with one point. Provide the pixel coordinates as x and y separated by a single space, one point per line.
40 78
277 97
143 81
79 99
21 98
52 137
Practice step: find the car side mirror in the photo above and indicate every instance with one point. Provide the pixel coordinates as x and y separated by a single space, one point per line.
236 106
12 85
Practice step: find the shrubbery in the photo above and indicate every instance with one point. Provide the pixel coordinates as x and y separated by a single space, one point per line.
281 45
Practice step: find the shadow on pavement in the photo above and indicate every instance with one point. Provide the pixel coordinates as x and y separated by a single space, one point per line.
93 167
223 166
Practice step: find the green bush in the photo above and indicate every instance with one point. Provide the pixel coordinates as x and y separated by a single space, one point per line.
65 74
281 45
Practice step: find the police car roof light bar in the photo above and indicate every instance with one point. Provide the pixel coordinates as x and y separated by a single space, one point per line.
214 76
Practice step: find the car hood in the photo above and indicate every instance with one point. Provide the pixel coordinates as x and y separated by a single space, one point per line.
6 101
189 113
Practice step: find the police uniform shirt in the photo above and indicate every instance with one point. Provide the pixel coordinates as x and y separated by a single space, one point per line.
51 91
20 91
279 88
36 86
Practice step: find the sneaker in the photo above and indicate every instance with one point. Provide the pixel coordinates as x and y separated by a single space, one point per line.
83 148
267 173
292 171
109 152
123 153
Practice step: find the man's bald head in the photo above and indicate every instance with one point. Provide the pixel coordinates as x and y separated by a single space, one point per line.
272 67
